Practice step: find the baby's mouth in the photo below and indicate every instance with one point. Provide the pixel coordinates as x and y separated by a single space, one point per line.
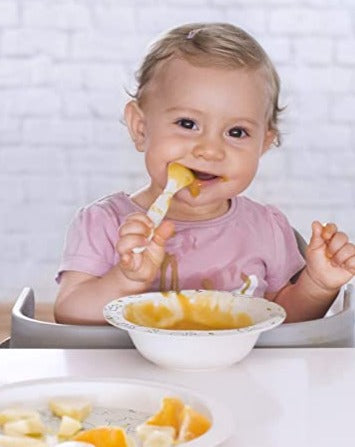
204 176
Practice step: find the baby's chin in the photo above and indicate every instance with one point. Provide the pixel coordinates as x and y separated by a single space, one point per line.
204 197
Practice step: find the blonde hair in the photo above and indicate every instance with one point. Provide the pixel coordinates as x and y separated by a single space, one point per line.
218 44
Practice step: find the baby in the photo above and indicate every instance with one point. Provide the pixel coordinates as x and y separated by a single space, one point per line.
207 98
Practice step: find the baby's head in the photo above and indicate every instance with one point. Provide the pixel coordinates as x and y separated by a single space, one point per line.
212 44
207 98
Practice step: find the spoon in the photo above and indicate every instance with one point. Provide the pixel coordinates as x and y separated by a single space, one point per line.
178 177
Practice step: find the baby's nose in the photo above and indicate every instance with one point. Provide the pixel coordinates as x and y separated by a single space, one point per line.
209 151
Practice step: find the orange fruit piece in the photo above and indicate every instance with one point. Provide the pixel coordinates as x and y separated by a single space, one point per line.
169 414
104 437
193 424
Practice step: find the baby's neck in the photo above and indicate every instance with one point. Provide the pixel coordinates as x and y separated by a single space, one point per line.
202 212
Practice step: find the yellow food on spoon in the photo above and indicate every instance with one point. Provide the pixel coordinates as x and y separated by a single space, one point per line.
105 437
182 175
178 177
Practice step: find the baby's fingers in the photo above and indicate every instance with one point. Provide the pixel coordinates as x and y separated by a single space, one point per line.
134 227
345 257
349 265
328 231
128 242
163 232
141 217
336 243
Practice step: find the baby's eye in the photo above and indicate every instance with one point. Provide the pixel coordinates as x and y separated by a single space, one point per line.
186 123
237 132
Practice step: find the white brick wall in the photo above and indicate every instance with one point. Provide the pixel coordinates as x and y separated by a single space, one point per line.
63 69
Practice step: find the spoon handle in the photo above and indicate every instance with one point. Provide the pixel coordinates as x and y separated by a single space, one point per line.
159 208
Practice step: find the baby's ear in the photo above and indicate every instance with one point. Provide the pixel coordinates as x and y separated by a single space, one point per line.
134 118
270 137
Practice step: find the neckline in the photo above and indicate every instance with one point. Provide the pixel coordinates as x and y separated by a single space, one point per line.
194 223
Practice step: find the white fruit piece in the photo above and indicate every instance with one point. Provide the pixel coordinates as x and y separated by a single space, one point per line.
20 441
14 414
75 408
32 426
156 435
69 427
158 439
145 430
131 442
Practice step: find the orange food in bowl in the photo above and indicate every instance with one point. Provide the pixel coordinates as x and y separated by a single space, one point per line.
181 312
104 437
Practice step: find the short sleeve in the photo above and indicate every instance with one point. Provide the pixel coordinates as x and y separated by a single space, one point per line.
90 241
284 259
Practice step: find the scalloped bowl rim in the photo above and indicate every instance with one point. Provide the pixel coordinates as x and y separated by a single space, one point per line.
114 314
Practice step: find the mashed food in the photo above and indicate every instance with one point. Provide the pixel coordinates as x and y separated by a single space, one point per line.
181 312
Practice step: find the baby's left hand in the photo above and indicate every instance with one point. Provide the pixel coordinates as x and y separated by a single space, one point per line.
330 256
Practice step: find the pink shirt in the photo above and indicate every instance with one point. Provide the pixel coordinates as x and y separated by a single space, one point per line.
250 249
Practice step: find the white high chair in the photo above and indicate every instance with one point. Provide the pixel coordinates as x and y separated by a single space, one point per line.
26 332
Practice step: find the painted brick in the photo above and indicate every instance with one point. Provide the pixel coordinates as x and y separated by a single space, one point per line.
278 49
9 14
29 42
314 50
343 109
30 102
345 51
64 67
14 72
33 161
66 14
296 21
44 131
329 79
10 132
253 20
108 16
168 17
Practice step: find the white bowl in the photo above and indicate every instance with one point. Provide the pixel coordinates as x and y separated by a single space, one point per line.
197 349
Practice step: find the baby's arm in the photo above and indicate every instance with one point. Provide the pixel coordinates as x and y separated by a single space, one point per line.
330 264
82 296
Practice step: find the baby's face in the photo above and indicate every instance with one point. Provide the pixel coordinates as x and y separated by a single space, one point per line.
212 120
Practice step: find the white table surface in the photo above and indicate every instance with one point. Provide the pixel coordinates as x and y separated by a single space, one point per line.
278 397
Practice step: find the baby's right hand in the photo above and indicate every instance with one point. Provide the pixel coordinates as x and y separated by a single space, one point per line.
142 267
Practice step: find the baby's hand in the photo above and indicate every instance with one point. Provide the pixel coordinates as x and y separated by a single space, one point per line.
330 256
142 267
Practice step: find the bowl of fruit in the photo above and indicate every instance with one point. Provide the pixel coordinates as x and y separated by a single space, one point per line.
194 329
109 412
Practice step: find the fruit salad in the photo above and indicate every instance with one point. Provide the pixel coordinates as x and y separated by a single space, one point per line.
173 424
